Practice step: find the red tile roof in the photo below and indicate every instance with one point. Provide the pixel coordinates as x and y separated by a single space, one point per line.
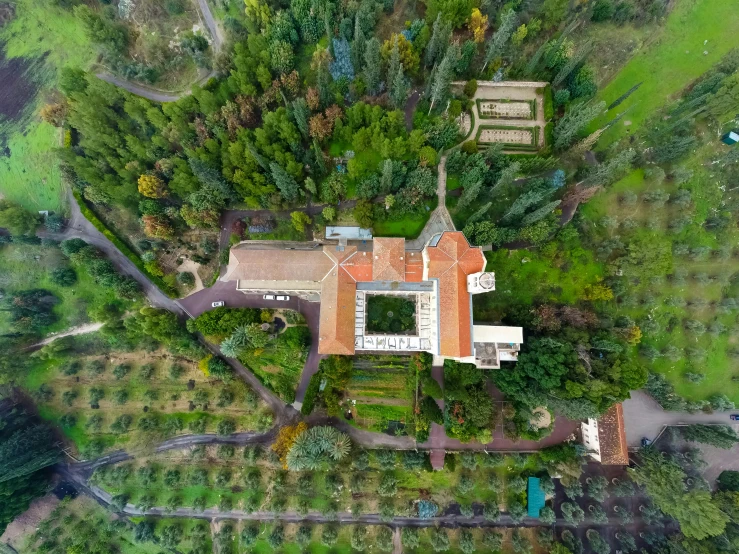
450 261
359 266
614 450
389 259
336 326
413 267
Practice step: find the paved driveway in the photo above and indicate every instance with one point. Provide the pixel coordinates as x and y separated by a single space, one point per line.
644 417
225 291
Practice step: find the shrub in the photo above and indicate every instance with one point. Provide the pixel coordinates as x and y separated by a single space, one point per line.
470 88
121 370
469 147
63 276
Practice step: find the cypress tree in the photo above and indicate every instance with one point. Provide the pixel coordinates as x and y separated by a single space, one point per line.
500 38
285 182
440 36
300 113
539 213
469 194
359 45
479 213
372 65
394 63
399 89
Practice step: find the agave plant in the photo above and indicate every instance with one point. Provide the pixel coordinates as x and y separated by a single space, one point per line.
317 446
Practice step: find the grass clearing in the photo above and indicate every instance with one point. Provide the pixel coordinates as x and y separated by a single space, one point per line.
409 227
26 266
280 364
671 61
47 38
556 272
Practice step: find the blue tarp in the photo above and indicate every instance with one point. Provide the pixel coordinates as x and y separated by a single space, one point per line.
535 497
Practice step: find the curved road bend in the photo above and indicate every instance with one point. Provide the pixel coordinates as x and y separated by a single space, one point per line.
225 291
79 227
157 95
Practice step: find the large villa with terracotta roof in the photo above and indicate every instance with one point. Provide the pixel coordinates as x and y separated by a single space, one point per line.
440 280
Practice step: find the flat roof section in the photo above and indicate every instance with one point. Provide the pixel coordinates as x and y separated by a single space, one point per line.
348 233
498 334
396 286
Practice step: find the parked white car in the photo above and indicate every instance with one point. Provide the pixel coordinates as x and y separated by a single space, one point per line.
218 304
283 298
269 296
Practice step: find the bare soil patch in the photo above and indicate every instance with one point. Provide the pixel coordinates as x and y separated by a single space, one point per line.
27 522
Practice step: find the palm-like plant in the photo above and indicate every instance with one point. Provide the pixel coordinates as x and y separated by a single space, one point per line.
316 447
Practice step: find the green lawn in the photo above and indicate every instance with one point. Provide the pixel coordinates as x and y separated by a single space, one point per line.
409 226
48 38
390 314
555 273
26 266
672 60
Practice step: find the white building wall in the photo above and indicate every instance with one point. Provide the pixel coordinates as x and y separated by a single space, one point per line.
590 438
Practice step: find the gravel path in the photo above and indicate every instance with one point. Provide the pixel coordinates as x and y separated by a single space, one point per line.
79 330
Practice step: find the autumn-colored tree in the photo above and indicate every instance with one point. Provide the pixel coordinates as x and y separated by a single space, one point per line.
598 292
631 334
300 220
408 57
157 226
286 437
320 127
477 25
312 98
333 113
54 113
199 218
152 186
290 83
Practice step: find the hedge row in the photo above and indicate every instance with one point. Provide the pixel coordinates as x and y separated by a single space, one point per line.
531 103
311 393
120 245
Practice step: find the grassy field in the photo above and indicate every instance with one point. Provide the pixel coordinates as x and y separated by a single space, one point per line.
557 272
672 59
150 387
26 266
47 38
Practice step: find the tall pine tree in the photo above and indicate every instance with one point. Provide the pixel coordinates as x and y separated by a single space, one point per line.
359 45
442 32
